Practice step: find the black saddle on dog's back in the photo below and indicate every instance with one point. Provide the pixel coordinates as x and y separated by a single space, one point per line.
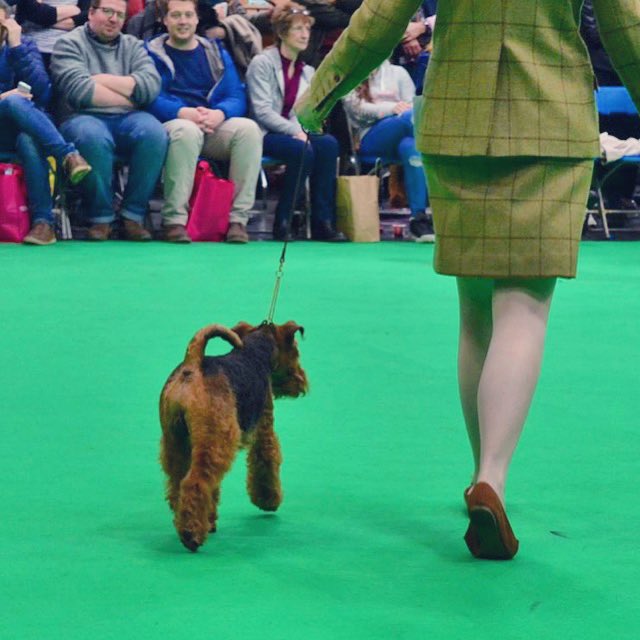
248 371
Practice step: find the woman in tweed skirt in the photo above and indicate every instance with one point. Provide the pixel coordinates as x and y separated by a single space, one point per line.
508 133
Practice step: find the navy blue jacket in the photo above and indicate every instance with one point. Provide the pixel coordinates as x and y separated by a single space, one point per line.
24 63
228 93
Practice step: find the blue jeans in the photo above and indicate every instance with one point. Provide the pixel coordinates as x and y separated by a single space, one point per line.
139 140
320 166
393 137
29 132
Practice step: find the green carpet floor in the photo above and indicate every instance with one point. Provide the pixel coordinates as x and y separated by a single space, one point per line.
368 542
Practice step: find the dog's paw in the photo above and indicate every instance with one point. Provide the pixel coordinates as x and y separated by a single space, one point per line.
267 501
188 540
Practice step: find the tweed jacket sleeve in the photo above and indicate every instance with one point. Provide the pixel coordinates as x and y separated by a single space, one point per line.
619 22
506 77
373 32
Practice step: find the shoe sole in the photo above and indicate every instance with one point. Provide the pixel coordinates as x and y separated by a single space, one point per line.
426 238
39 243
484 537
177 240
78 176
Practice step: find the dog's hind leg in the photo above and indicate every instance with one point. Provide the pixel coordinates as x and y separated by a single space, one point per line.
263 465
213 448
175 457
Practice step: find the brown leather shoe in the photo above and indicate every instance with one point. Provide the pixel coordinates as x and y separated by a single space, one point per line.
176 233
41 233
76 167
135 231
237 233
99 232
489 535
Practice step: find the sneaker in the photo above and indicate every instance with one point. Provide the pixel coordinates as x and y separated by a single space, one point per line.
176 233
76 166
237 233
421 227
99 232
135 231
41 234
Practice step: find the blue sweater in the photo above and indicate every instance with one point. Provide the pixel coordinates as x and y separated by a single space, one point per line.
24 63
227 92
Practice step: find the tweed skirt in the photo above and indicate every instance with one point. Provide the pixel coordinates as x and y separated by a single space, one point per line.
507 217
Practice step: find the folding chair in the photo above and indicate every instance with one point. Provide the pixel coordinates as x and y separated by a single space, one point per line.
372 164
612 101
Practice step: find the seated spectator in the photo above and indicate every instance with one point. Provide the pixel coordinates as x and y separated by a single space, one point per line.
201 104
146 24
381 113
331 18
275 79
212 14
232 25
104 79
46 20
27 130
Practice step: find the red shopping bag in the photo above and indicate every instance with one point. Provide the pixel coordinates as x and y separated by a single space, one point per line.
14 215
210 204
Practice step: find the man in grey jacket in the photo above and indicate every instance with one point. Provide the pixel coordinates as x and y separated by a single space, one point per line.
103 79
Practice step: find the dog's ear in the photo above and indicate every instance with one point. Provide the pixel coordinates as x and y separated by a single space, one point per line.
242 329
289 331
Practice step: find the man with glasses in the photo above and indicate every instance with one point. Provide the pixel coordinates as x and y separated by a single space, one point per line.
104 79
202 104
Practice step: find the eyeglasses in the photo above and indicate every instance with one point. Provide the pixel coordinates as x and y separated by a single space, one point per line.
121 15
298 12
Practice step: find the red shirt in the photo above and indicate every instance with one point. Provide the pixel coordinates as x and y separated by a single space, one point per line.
291 84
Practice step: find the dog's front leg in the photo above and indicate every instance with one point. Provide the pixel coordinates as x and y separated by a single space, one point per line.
213 514
263 465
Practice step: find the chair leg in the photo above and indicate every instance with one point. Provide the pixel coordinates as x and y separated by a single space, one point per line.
603 212
264 186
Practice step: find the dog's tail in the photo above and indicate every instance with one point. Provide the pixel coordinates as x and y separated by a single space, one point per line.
195 350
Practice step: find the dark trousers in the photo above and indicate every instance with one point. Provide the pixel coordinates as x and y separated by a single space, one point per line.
320 165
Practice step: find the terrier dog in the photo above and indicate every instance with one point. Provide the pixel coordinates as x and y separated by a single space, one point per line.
210 407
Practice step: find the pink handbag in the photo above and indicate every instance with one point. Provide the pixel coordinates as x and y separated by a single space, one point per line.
210 204
14 214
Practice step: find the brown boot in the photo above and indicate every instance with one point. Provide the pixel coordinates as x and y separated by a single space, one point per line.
176 233
41 234
99 231
76 167
135 231
237 233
